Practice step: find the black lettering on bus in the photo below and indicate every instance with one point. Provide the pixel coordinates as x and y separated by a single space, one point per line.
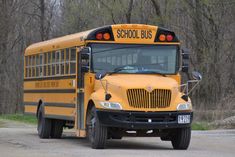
118 33
149 34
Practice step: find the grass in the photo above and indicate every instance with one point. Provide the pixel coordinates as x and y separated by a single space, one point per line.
201 126
20 118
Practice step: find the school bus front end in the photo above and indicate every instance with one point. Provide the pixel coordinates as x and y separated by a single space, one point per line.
137 86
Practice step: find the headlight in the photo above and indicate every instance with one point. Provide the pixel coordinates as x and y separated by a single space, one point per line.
184 106
111 105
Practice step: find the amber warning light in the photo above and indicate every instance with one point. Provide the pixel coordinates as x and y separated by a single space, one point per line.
164 37
103 36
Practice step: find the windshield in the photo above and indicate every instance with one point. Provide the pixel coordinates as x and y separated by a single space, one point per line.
123 58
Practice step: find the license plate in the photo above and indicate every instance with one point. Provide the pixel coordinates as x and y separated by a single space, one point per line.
183 119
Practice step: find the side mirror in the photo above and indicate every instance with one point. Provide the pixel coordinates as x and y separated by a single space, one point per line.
84 59
185 54
185 67
196 75
185 60
99 75
85 69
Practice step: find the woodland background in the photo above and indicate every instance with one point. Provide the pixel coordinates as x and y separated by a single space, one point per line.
205 27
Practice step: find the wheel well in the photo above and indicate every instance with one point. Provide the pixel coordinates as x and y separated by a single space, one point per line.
39 104
90 105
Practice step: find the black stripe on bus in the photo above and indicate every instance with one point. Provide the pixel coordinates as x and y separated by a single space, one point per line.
50 78
50 91
52 104
71 118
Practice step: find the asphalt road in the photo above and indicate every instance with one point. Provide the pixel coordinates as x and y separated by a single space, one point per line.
20 140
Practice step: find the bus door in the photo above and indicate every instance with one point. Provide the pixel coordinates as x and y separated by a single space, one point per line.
83 59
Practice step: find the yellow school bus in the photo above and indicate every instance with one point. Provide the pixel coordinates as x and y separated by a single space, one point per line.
110 82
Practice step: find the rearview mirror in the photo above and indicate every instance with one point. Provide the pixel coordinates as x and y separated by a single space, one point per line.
185 54
185 67
196 75
84 59
99 75
185 60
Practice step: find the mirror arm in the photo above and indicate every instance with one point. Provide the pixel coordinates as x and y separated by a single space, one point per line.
107 95
186 86
193 87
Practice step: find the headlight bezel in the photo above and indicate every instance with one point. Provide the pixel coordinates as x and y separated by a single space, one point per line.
186 106
111 105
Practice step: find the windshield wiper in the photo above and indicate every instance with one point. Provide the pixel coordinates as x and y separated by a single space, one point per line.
118 69
152 72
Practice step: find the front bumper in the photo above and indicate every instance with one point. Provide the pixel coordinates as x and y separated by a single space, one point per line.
141 120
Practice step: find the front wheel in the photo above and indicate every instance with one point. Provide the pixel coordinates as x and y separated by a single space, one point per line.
97 133
181 138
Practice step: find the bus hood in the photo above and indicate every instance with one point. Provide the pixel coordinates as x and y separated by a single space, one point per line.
148 82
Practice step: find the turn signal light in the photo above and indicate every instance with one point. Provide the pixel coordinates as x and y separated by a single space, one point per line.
162 37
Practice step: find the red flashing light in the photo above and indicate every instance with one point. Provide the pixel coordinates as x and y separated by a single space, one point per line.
169 37
99 36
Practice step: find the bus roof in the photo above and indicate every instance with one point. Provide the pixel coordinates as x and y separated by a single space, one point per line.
78 39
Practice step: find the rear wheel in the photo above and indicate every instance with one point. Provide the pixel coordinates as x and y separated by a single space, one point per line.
57 128
97 133
44 124
181 138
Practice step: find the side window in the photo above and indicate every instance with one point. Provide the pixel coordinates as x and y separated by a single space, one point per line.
49 64
124 60
129 59
26 72
73 61
62 62
53 64
114 60
67 58
33 66
57 63
118 60
41 65
135 56
45 65
37 65
30 66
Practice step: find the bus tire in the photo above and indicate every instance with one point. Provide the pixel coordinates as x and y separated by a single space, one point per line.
44 124
56 128
181 138
97 133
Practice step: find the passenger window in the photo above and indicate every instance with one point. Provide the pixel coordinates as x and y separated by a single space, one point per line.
72 61
73 54
124 60
66 68
129 59
72 68
33 66
58 63
67 55
62 62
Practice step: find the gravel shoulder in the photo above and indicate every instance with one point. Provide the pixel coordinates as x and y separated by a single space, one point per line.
21 140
